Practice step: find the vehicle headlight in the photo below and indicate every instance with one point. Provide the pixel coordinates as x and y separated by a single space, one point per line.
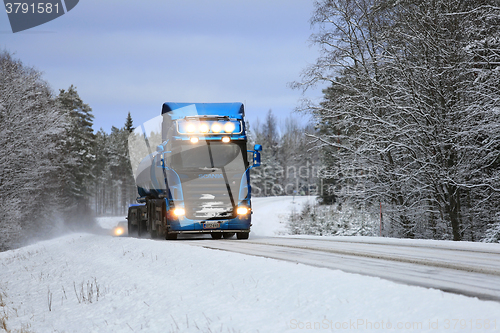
179 212
243 210
216 128
204 128
229 127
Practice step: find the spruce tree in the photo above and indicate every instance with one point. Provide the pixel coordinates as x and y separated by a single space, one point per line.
129 124
80 143
128 182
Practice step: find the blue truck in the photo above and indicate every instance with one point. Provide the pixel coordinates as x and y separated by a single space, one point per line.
192 170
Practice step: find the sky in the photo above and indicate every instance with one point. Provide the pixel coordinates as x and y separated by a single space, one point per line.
132 56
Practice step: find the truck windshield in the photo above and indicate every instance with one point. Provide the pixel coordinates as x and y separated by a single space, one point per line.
232 156
211 174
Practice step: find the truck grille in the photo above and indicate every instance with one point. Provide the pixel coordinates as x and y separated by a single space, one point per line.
208 198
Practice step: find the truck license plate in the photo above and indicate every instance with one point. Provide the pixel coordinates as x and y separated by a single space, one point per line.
211 225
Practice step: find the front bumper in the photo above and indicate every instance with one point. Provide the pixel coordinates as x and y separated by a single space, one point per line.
184 225
211 231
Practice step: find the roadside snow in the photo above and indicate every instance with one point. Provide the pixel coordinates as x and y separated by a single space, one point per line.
109 222
96 283
89 283
270 214
441 244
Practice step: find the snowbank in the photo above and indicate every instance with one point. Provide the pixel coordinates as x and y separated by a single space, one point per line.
90 283
96 283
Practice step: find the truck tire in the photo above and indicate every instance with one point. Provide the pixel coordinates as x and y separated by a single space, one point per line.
132 230
242 235
216 235
170 236
227 235
154 234
142 229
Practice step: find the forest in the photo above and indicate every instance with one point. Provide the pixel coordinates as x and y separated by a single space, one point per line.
58 173
405 141
409 125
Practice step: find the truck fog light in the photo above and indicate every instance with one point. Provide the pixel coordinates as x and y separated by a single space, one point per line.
179 211
242 210
194 140
226 139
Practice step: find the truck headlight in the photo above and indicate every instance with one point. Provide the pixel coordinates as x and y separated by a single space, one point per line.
179 212
242 210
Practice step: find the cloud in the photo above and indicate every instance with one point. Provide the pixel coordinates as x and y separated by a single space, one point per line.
133 56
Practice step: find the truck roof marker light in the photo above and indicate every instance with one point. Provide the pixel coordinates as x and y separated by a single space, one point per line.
226 139
194 139
216 128
242 210
229 127
204 128
179 212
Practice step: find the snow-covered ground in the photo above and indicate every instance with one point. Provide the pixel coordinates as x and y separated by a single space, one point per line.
108 222
98 283
270 214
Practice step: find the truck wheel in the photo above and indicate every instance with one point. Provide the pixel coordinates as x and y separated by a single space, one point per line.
227 235
154 234
170 236
217 235
142 229
132 230
242 235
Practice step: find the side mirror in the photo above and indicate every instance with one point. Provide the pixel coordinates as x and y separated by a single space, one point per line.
256 159
256 155
159 148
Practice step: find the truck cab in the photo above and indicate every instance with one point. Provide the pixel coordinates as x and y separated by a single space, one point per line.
197 181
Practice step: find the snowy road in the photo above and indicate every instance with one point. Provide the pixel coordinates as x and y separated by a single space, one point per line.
472 270
98 283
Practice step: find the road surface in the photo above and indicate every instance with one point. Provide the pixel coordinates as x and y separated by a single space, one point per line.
452 267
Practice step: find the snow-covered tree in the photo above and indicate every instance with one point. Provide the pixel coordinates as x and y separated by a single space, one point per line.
32 129
410 118
289 166
80 158
114 185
